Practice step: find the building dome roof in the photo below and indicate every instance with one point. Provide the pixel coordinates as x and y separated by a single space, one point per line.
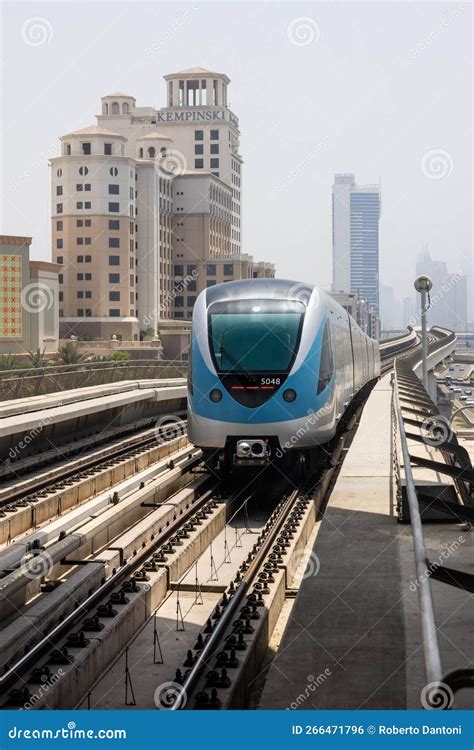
94 130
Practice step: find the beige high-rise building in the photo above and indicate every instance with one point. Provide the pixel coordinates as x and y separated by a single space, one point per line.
140 193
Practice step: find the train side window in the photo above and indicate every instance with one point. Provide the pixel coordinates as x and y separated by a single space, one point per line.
326 365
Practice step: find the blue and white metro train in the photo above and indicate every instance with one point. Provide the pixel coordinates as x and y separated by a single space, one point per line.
274 365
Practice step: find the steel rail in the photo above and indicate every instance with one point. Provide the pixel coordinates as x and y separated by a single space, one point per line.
430 643
60 630
229 613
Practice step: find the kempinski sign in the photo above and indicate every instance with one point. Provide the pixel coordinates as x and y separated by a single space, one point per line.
198 115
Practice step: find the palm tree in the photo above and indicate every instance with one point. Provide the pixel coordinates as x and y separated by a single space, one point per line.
68 354
37 358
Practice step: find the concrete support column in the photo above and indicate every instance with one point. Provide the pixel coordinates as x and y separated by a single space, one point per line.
432 386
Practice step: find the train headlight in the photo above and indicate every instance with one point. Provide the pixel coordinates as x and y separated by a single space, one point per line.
289 394
215 395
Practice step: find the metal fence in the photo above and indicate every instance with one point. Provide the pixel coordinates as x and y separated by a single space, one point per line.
40 381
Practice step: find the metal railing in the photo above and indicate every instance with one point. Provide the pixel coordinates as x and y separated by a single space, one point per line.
443 685
44 380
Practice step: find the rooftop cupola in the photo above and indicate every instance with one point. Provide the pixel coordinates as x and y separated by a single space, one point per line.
197 87
118 104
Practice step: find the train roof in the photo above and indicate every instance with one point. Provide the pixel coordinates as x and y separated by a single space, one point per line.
259 288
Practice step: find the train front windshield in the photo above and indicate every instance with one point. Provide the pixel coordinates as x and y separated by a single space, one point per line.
255 335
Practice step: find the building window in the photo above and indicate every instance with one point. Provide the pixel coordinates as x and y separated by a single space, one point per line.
59 189
60 296
80 259
191 301
88 295
114 242
59 226
108 149
191 286
214 163
88 313
79 276
210 283
87 187
179 270
198 163
114 224
80 295
79 205
59 172
114 208
80 313
114 296
79 187
60 260
68 149
199 135
87 222
214 135
87 204
191 269
60 278
83 171
113 189
86 149
87 241
87 258
79 240
214 148
113 171
179 301
114 260
79 222
114 278
88 276
114 313
228 269
59 244
59 208
211 269
198 148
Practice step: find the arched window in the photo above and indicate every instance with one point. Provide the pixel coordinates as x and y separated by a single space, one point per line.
140 153
163 151
106 109
151 152
125 109
115 108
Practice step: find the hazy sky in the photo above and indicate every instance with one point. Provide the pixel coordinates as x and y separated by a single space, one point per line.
380 89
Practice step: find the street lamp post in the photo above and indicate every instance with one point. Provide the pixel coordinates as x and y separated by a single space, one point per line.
423 284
